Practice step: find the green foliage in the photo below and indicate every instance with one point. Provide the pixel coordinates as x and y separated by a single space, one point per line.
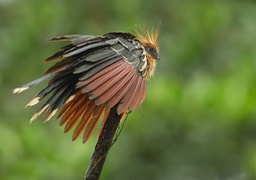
198 121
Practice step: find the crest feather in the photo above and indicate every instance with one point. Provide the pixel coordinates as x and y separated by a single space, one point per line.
147 37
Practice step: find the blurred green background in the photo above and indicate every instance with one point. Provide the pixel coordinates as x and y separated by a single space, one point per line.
198 121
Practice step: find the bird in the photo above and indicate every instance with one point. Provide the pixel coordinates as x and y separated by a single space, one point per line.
93 74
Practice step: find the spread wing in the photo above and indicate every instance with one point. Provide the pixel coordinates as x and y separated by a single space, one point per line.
94 74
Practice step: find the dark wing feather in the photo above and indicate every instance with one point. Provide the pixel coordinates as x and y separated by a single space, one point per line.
60 66
92 71
74 39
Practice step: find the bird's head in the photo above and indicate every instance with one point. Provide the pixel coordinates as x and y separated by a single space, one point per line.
149 41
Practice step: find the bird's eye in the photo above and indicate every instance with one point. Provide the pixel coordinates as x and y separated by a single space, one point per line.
149 49
152 51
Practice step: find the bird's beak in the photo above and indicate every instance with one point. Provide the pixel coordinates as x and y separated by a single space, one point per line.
157 56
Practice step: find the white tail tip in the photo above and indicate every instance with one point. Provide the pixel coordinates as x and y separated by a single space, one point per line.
33 102
51 115
19 90
38 113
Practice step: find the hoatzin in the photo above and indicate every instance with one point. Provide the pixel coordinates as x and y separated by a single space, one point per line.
93 75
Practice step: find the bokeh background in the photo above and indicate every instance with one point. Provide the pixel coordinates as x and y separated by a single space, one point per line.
198 121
